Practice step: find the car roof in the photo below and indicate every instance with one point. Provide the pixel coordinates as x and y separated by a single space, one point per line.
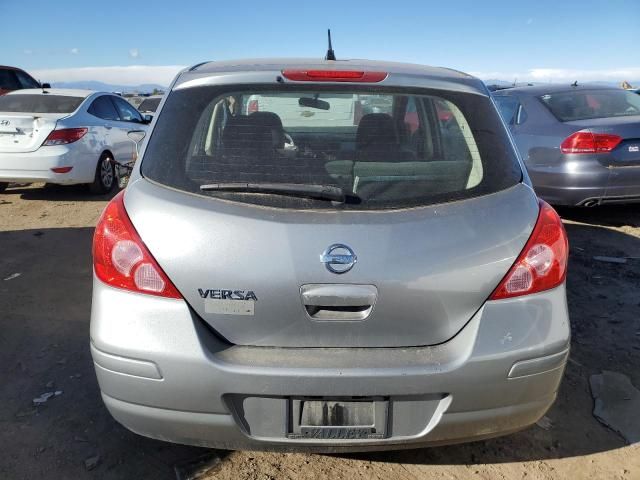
265 65
260 64
66 92
7 67
552 88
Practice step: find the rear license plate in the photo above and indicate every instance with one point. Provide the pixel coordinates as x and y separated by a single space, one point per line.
337 433
336 419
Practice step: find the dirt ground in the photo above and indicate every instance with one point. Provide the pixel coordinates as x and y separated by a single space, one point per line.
45 237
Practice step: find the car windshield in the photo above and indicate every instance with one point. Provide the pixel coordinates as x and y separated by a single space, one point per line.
149 104
382 149
39 103
586 104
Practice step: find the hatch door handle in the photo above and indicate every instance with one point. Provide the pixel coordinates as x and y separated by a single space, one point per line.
344 302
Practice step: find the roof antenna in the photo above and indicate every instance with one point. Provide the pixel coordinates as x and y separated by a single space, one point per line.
330 55
575 84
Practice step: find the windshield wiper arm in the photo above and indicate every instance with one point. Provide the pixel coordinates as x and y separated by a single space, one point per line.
322 192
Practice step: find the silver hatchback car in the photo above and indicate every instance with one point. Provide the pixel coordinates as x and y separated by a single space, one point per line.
289 270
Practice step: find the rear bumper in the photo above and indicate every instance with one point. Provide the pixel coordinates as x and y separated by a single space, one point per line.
36 166
587 182
216 430
165 375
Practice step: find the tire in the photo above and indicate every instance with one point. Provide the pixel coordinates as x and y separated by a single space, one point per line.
105 177
3 186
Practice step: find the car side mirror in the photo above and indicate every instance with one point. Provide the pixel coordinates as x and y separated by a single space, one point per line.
46 85
146 119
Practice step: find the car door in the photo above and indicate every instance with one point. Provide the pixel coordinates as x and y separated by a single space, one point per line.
130 121
106 117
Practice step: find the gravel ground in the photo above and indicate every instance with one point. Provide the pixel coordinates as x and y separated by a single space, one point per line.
45 237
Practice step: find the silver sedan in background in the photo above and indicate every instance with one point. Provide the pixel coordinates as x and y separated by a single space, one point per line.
580 143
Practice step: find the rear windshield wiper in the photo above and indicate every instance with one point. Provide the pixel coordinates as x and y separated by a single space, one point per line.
321 192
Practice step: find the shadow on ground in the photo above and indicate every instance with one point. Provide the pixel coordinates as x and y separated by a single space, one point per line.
45 338
607 215
56 193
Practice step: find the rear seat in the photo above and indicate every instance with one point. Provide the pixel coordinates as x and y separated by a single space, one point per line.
448 175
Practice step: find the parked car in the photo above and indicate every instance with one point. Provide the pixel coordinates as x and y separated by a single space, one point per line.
580 143
372 288
149 104
63 136
12 78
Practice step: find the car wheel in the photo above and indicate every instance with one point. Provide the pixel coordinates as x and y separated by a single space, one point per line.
105 175
3 186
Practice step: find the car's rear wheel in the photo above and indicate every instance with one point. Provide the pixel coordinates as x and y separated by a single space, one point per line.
3 186
105 175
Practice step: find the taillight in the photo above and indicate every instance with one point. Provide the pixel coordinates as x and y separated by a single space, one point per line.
64 136
542 264
334 76
120 258
253 106
587 142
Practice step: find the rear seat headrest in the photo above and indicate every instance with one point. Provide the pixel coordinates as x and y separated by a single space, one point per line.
258 134
375 129
271 121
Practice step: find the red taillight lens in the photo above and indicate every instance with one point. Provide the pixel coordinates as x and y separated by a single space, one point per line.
587 142
64 136
120 258
334 76
542 264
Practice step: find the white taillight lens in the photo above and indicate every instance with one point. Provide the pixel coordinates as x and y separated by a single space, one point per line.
148 279
542 264
520 280
125 255
540 258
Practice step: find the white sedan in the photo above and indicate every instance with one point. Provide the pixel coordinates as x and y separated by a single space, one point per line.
65 136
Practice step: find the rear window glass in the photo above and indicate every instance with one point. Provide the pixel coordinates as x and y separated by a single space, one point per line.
149 104
586 104
39 103
8 80
507 106
382 149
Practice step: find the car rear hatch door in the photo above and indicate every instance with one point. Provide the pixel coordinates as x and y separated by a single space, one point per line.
25 132
256 275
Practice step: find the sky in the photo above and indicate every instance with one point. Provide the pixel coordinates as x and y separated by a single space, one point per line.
132 43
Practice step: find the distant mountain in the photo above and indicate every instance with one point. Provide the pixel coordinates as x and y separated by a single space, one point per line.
106 87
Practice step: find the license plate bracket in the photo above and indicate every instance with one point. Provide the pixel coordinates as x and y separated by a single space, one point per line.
337 418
